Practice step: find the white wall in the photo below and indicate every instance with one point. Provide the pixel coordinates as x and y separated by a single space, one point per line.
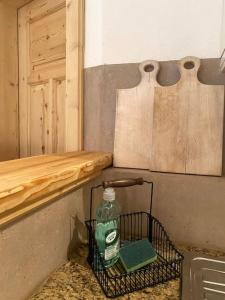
93 32
223 28
121 31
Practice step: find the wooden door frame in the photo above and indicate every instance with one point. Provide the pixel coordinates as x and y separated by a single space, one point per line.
75 42
74 80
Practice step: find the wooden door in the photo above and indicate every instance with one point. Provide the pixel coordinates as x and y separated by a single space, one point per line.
50 76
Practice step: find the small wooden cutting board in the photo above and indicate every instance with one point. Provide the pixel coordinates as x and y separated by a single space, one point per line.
134 118
188 124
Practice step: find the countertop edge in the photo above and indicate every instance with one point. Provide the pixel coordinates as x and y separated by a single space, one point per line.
28 184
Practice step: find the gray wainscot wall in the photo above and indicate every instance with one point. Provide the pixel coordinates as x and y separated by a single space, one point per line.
35 245
192 208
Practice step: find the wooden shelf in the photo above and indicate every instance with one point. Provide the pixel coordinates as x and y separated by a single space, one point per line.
28 183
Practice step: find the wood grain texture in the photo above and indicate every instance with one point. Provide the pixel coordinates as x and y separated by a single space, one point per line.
30 182
42 52
51 62
134 118
24 94
9 142
74 75
15 3
188 124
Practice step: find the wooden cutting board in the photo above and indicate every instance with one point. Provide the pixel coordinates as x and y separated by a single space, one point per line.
134 118
188 124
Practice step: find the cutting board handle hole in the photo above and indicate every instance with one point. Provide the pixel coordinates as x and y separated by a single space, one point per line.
149 68
189 65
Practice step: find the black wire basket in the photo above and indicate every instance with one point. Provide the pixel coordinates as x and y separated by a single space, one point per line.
135 226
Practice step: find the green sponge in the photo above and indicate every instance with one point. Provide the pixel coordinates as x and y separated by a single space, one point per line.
136 255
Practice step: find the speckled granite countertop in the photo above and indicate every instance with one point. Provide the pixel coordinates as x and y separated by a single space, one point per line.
75 280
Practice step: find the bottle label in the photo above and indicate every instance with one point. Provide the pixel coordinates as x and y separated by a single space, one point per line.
111 236
112 243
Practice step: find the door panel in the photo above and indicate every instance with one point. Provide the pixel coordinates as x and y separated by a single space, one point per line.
48 37
39 8
39 95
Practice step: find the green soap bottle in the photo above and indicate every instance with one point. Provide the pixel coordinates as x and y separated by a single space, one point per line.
107 228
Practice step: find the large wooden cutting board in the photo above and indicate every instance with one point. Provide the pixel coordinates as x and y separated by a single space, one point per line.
134 118
188 124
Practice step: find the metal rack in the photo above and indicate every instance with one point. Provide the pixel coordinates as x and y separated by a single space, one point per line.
135 226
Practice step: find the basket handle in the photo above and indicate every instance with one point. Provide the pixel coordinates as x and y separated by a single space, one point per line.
123 182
